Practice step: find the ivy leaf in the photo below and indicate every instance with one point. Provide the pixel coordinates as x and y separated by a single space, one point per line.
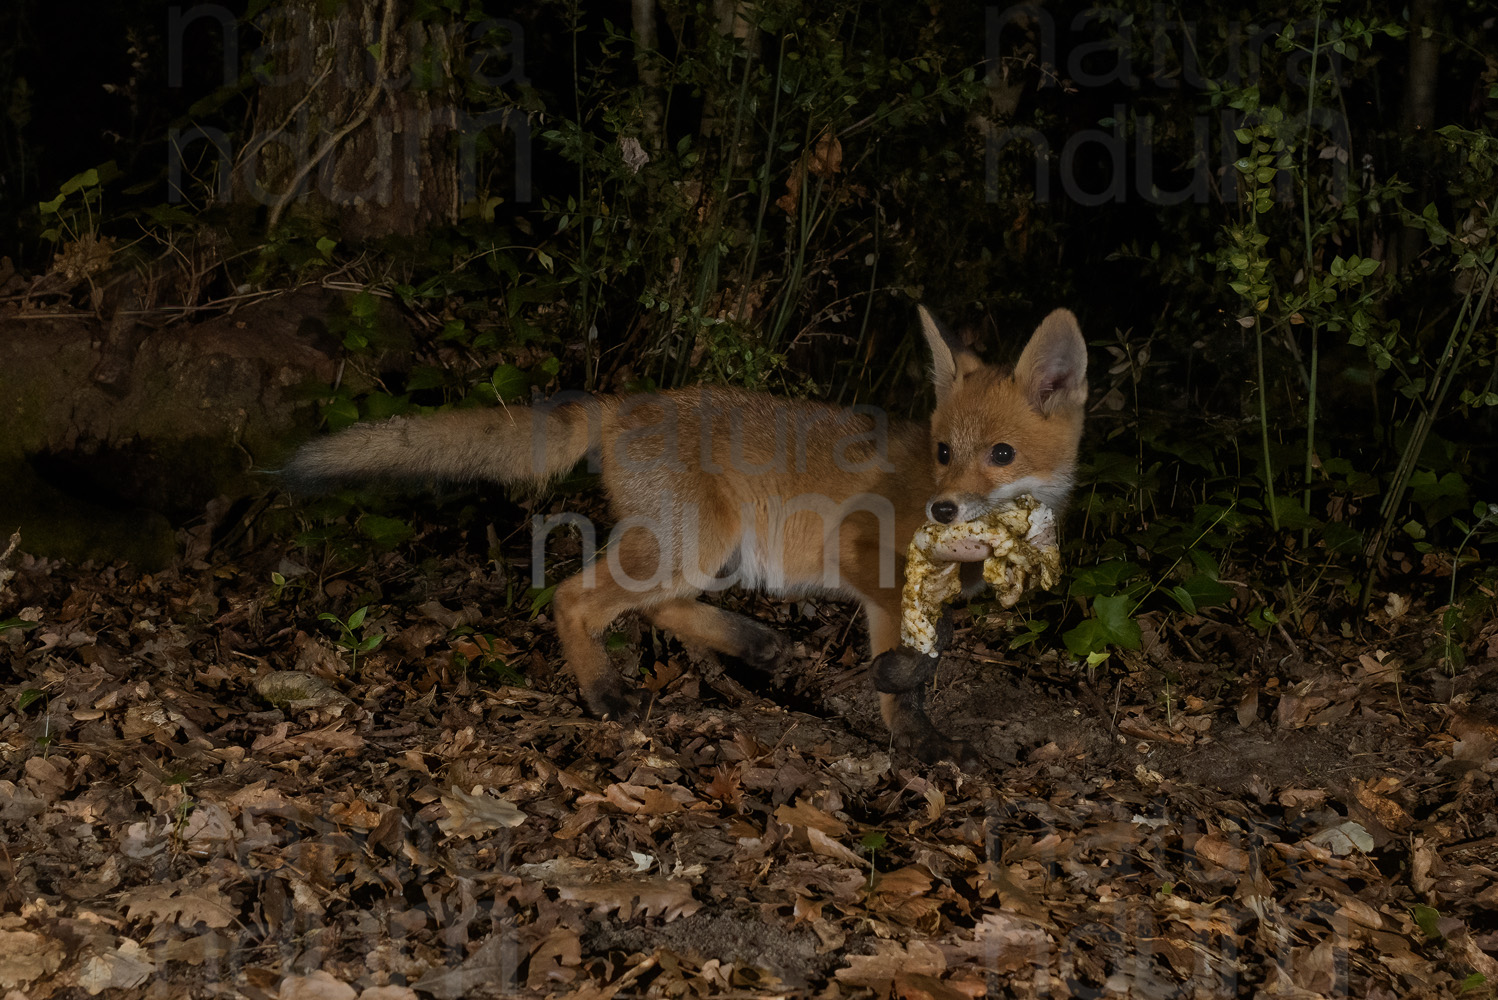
1118 624
510 383
385 532
1206 592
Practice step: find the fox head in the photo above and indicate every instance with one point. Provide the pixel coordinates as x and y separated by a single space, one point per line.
995 433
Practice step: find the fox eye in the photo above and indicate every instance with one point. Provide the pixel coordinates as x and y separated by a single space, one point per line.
1002 454
943 453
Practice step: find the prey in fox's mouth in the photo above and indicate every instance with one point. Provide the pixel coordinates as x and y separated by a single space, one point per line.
961 550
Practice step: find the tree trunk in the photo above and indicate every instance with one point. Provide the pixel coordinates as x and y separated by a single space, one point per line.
647 41
354 114
1419 115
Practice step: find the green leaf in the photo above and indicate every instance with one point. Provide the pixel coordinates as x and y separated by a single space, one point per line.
1428 919
1262 619
1203 561
363 305
1033 630
425 377
340 413
1441 496
1292 516
1119 625
1206 592
170 215
357 618
541 598
380 405
89 178
510 383
1087 638
385 532
1104 578
22 624
1341 538
1184 599
29 697
325 246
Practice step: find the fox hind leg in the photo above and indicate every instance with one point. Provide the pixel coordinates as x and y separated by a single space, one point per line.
582 612
722 631
632 577
628 578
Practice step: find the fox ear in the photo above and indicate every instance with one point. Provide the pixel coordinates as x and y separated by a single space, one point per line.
1053 367
949 361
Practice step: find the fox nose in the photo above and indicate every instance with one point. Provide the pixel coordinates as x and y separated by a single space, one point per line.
943 511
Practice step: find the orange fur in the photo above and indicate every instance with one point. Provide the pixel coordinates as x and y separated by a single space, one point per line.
717 486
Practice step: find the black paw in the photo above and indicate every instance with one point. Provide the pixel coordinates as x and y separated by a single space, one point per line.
609 700
759 646
944 624
933 748
913 731
902 669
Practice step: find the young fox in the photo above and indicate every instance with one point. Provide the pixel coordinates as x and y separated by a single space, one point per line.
715 486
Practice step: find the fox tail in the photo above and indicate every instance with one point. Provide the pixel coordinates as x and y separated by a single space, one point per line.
507 444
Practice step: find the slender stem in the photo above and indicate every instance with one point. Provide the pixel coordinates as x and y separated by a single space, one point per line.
1456 564
1445 374
1305 216
868 307
589 368
764 181
1155 585
1274 514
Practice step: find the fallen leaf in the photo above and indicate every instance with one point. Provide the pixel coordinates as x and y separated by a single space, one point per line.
824 845
475 814
1344 839
890 959
1373 797
918 986
122 968
26 957
184 904
804 814
318 986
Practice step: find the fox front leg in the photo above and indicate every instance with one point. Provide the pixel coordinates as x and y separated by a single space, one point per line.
901 676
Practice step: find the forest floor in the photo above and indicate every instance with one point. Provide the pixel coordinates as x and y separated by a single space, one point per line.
203 795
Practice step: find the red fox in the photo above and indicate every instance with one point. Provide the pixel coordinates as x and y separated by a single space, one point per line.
713 487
